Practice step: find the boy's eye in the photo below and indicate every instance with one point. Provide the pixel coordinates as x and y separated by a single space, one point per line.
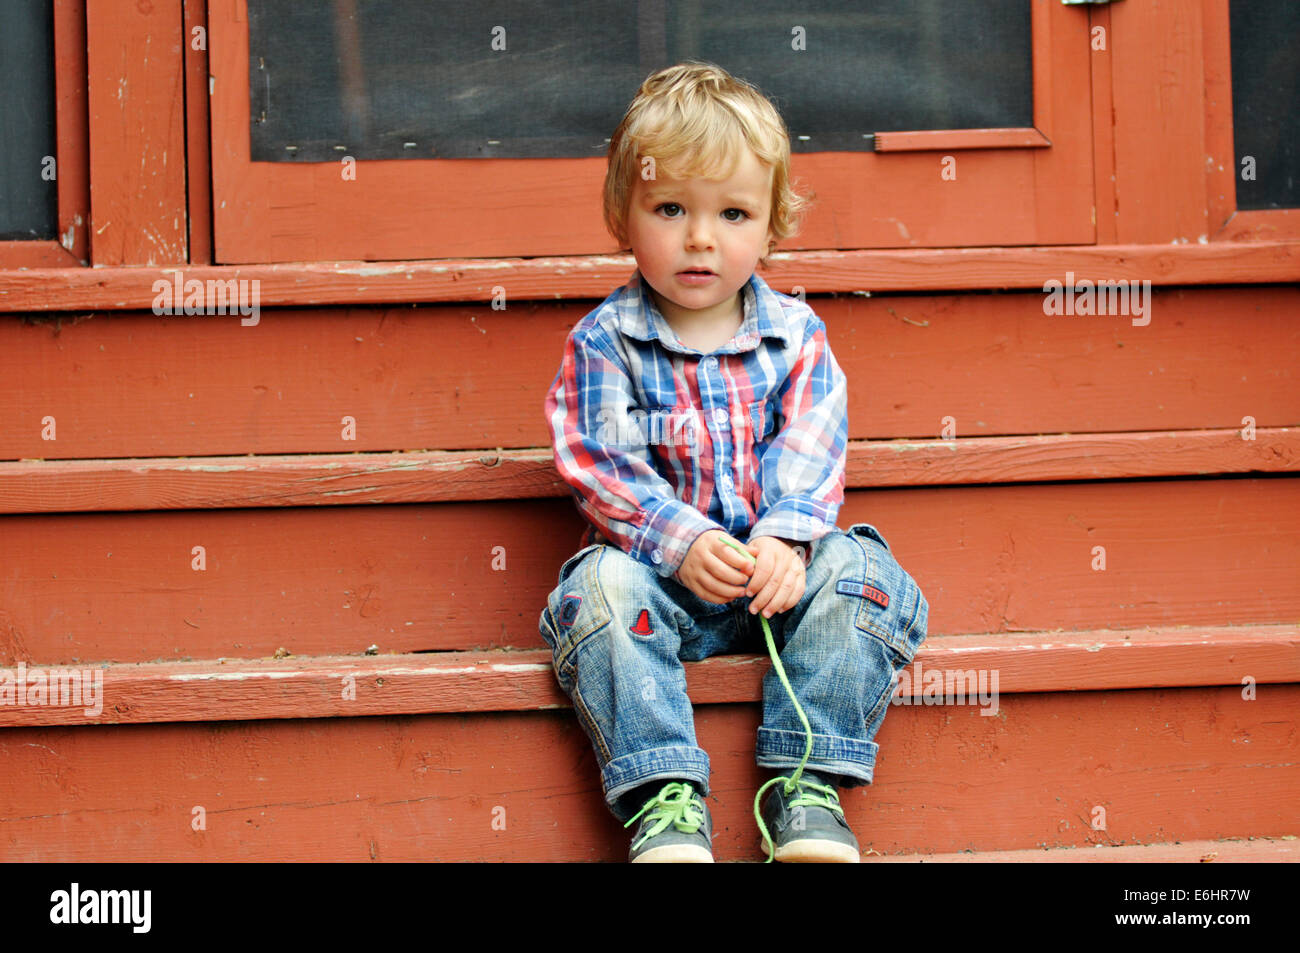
741 213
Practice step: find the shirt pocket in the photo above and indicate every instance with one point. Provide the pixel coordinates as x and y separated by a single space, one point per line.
762 418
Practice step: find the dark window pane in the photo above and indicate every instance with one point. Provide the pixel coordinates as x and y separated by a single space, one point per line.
366 77
1266 101
28 203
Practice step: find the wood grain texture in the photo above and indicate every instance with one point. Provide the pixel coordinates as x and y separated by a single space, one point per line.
454 377
817 272
136 82
1164 764
1158 71
440 682
1103 125
198 135
1252 850
335 580
341 479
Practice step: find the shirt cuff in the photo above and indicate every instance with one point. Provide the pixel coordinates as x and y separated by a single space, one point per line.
667 533
798 518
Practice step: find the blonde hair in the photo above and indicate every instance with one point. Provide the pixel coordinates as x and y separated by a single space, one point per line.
694 119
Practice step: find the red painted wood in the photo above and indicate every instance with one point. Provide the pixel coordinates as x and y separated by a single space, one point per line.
457 377
137 133
198 143
169 483
333 581
353 686
1158 70
1165 764
1103 126
457 280
1253 850
960 139
1221 167
498 207
72 248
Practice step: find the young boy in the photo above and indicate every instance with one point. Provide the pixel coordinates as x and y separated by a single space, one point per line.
696 408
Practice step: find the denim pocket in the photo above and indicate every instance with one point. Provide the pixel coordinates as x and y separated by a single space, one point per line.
573 560
575 608
893 608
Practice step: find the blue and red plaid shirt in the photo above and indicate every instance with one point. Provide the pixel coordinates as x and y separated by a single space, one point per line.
660 442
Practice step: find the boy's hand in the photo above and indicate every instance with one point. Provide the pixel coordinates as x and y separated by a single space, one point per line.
713 570
778 580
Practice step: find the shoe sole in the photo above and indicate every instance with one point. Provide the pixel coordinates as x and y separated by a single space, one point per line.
675 854
810 851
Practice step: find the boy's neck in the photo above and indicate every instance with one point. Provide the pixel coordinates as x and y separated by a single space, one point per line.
729 313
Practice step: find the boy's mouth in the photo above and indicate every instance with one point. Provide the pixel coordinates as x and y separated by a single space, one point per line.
695 271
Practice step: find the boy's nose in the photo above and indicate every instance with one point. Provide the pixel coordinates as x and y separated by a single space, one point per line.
699 237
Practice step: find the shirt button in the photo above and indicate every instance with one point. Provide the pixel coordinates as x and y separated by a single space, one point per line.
657 556
710 361
719 415
726 481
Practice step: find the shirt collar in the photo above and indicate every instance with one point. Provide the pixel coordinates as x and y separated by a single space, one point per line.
639 316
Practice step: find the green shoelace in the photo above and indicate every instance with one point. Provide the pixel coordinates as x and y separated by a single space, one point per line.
810 793
674 804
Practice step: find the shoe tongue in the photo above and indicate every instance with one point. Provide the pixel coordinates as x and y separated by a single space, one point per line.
812 777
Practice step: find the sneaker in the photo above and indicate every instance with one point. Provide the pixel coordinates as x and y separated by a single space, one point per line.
807 824
675 828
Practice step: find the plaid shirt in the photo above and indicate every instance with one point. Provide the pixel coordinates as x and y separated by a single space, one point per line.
660 442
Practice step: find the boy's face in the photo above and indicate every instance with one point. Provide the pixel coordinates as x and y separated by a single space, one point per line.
720 225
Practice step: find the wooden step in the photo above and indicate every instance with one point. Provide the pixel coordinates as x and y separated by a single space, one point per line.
467 576
458 376
444 682
1250 850
261 753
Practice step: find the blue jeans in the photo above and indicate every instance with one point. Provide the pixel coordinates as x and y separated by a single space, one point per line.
619 632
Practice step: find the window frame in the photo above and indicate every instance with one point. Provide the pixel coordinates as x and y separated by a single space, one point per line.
72 152
1015 187
1226 222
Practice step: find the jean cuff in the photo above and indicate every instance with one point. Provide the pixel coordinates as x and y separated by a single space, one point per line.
853 760
631 771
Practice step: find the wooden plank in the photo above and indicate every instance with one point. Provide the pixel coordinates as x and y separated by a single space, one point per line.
1221 162
333 581
198 140
1158 71
71 130
340 479
353 686
1164 764
903 269
463 377
137 132
1029 138
1254 850
1103 129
